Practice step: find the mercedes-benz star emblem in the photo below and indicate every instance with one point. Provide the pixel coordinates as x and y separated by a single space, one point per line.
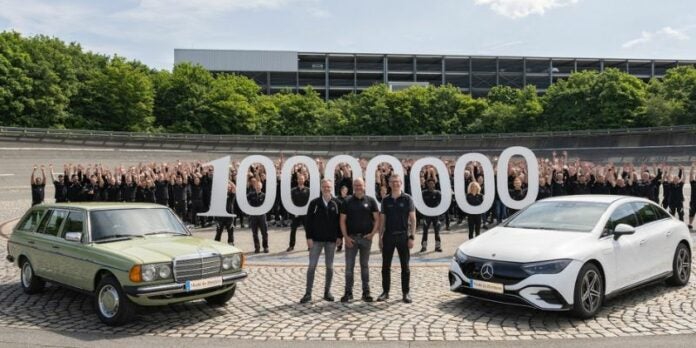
487 271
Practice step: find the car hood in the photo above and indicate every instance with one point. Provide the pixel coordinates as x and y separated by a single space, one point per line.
152 249
526 245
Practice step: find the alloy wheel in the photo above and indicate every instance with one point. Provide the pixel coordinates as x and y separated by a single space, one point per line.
683 264
590 291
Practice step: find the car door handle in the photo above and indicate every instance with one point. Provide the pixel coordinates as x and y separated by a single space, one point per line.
669 233
642 242
55 247
31 242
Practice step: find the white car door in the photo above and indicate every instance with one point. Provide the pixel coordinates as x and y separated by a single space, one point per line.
625 249
668 231
652 241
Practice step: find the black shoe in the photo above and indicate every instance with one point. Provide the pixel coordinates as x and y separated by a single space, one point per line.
346 298
423 249
265 250
438 249
383 297
328 297
256 251
290 249
407 298
367 298
306 298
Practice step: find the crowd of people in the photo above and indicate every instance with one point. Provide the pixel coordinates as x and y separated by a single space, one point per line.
186 188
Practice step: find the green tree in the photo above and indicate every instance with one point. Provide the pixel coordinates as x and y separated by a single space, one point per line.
180 102
120 98
673 99
293 113
230 106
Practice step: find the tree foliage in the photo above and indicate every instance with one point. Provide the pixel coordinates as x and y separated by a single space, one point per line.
45 82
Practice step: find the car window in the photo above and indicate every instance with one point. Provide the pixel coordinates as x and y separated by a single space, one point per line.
51 224
624 214
646 214
660 213
74 223
31 221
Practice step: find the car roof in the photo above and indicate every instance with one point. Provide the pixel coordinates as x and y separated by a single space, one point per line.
608 199
90 206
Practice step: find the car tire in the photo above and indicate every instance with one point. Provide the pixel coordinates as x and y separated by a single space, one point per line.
112 305
221 299
589 292
681 266
31 283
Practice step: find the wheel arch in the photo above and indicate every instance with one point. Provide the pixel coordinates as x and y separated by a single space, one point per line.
101 274
601 272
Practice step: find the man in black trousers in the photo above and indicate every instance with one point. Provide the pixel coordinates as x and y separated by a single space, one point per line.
322 230
225 223
258 222
300 196
398 231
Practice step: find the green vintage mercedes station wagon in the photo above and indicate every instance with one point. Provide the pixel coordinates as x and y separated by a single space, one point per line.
124 254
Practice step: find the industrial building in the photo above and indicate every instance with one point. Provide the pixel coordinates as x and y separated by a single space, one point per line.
336 74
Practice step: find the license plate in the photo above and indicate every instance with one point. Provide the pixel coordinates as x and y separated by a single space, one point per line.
193 285
487 286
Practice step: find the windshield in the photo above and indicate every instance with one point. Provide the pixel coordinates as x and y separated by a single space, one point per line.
132 223
562 216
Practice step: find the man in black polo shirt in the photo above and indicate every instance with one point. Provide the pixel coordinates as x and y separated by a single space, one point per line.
38 186
300 196
359 222
431 198
60 185
398 231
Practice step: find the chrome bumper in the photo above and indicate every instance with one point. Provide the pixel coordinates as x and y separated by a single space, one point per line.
177 288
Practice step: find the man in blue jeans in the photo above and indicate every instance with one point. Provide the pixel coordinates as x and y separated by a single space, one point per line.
321 228
358 221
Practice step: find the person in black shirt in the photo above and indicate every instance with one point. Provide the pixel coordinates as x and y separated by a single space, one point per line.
149 194
75 189
60 186
474 197
196 198
359 222
256 222
129 189
621 188
676 195
38 186
517 193
544 189
90 189
398 222
322 231
579 184
162 190
180 194
342 195
112 190
431 198
692 204
559 186
645 188
300 197
225 223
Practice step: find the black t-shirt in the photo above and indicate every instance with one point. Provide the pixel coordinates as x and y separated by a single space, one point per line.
396 212
37 193
359 214
432 198
61 192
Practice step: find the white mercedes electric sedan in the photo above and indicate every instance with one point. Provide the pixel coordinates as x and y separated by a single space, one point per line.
571 253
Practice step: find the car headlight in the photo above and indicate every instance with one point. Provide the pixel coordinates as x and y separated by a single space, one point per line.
459 256
546 267
232 262
155 271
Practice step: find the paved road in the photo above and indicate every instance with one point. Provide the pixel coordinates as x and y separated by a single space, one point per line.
265 308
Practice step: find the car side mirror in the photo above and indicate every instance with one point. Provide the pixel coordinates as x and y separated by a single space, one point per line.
73 236
623 229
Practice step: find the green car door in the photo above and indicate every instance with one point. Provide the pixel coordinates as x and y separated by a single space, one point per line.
25 237
73 265
46 261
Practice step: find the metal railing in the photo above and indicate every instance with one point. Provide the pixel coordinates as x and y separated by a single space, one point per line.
214 138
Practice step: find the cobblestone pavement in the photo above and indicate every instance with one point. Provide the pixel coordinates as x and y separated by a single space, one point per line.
265 308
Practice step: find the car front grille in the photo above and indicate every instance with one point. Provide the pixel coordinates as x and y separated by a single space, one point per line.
194 267
507 273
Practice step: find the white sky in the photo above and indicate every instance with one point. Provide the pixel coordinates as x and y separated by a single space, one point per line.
149 30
